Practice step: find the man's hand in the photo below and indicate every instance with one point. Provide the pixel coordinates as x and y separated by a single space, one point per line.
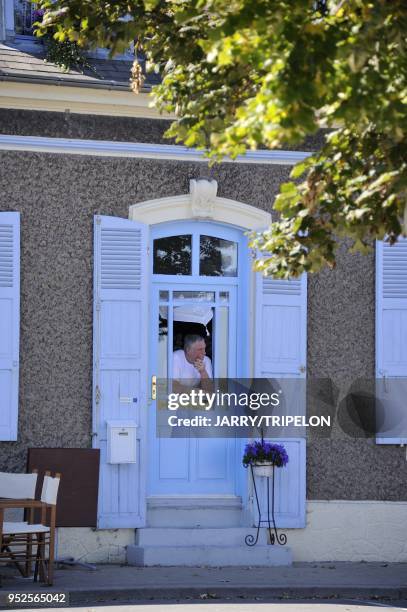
199 364
206 382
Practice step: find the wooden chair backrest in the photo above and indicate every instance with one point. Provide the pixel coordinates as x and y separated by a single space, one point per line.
50 488
18 486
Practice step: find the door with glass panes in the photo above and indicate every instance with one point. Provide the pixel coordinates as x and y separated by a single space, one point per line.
198 269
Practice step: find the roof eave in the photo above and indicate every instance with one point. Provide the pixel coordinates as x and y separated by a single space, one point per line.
68 82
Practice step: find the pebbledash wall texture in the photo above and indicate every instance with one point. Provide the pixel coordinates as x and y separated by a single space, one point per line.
59 194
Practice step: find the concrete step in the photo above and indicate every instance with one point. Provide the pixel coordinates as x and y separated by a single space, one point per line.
226 536
195 511
183 517
210 556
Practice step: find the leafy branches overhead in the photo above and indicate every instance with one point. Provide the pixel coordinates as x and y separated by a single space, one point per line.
66 54
248 73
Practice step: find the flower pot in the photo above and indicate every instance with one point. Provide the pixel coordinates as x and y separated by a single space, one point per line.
263 469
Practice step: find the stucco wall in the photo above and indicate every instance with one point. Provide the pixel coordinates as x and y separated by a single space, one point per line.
73 125
98 127
58 196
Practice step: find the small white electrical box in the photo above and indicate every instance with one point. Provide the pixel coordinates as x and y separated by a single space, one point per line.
121 441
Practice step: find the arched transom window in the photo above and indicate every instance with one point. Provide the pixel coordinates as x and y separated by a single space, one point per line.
195 253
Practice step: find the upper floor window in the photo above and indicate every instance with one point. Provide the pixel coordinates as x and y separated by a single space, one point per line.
25 14
217 257
175 255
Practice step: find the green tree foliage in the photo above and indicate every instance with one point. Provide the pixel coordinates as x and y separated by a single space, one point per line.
244 74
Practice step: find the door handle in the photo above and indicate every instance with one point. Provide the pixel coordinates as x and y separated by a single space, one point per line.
153 387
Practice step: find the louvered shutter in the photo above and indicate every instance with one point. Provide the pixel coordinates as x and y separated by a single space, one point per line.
120 362
280 353
9 322
391 339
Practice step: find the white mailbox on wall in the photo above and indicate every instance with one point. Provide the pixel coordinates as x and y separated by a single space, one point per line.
121 441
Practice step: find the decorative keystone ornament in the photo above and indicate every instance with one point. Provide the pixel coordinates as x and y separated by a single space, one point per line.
203 196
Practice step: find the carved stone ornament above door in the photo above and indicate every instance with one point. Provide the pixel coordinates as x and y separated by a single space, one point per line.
203 196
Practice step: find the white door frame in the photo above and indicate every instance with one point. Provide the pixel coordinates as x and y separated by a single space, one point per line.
202 204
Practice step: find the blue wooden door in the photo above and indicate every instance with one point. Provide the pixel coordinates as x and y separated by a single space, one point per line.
204 465
281 345
391 341
120 363
193 465
9 322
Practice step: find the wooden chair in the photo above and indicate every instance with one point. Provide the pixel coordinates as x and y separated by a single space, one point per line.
20 537
16 490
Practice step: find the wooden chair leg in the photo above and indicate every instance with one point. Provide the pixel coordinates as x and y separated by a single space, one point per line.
12 557
37 560
40 559
43 573
28 551
51 557
29 547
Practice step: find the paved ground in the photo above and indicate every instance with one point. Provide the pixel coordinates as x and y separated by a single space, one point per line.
367 581
238 606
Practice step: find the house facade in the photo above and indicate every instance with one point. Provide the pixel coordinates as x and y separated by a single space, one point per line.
106 232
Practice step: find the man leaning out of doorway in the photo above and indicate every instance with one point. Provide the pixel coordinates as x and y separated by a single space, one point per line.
191 366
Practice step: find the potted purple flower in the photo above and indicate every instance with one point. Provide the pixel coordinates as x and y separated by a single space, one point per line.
263 456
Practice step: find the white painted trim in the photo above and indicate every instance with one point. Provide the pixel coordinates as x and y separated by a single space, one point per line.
139 150
221 210
177 208
64 97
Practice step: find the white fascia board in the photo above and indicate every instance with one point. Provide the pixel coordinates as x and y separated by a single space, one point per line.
63 97
107 148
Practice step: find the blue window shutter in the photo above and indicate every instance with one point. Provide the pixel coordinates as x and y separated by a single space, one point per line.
120 362
280 352
9 322
391 333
